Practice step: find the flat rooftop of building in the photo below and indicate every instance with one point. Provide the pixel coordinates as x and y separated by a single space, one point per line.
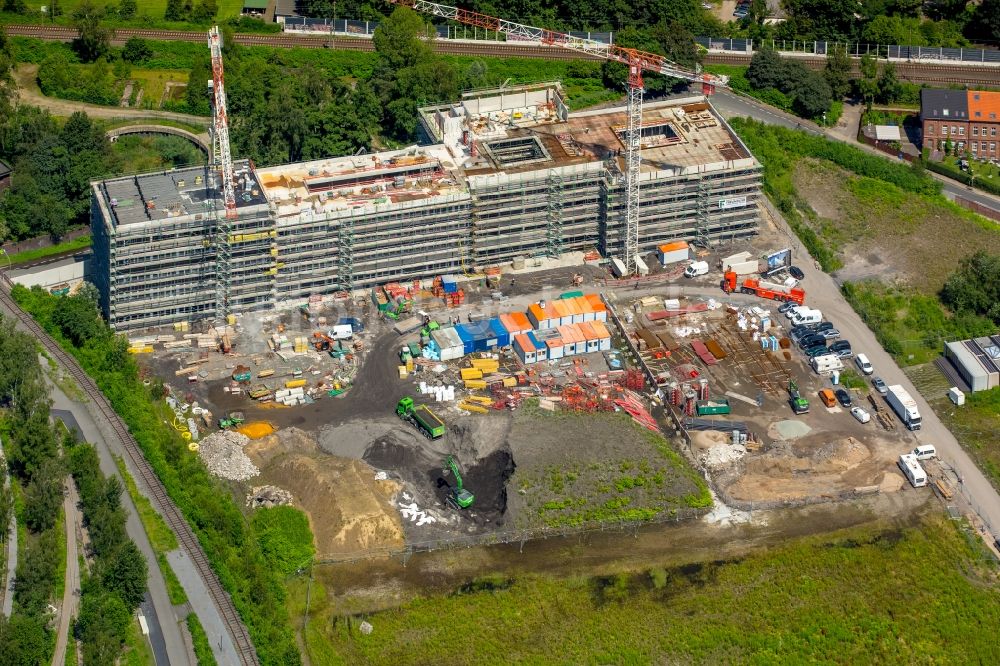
342 183
171 194
529 127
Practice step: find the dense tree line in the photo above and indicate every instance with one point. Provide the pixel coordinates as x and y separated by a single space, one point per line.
32 449
232 545
810 91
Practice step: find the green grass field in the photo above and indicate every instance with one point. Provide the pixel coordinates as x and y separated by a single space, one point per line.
154 8
867 595
153 81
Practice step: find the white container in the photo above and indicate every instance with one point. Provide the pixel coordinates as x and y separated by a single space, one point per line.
956 395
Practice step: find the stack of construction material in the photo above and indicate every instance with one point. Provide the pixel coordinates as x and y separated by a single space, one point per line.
182 326
301 345
446 288
290 396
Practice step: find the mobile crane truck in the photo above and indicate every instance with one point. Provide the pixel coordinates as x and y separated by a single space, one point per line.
458 496
421 416
771 290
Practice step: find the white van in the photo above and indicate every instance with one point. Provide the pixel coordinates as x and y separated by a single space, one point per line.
864 365
696 268
791 312
807 317
925 452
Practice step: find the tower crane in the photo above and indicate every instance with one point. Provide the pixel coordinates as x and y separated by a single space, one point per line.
220 123
637 62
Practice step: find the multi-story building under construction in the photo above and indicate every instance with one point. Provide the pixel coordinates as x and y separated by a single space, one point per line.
502 175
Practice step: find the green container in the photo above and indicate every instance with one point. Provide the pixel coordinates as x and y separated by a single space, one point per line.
712 407
572 294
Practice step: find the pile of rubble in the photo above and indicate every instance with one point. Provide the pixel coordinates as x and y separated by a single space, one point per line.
268 496
222 453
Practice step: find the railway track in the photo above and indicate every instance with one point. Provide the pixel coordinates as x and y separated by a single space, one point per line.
171 514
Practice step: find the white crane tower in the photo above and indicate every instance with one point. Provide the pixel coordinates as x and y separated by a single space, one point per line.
220 123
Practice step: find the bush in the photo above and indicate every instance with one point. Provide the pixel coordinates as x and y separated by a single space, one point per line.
284 537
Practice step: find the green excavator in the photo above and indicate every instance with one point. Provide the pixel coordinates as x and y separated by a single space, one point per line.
798 404
458 497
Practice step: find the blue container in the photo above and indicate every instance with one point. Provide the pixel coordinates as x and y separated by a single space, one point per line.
499 332
450 287
353 322
467 338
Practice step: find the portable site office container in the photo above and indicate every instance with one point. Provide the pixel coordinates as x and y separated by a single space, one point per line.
483 337
551 341
515 323
555 348
585 308
581 339
589 336
575 309
499 332
542 318
448 341
597 305
569 340
524 349
603 335
671 253
560 310
541 351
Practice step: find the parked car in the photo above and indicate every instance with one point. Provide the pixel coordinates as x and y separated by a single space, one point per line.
796 272
843 397
829 333
811 340
785 307
816 351
842 348
822 326
879 385
861 414
864 365
800 332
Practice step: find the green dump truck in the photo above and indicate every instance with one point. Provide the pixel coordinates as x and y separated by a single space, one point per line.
421 416
712 407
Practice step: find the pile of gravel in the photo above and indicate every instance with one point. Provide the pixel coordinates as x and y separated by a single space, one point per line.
222 453
267 497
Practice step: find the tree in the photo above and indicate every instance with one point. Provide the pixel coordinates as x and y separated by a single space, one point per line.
31 436
35 572
15 6
136 50
975 286
677 43
766 70
94 40
888 84
78 320
812 96
175 11
23 641
125 575
44 496
868 83
127 9
102 626
205 11
838 72
988 18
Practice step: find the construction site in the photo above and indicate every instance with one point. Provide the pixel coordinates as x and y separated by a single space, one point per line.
505 177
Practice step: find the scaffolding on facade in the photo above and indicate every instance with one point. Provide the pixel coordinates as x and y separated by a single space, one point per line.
553 229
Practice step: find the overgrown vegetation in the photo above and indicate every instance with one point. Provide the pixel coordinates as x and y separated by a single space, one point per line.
832 601
231 543
789 85
202 648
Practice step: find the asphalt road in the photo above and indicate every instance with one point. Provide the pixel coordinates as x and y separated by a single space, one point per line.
71 595
8 580
172 648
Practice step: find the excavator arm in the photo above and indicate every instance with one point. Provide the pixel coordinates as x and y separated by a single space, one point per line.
453 466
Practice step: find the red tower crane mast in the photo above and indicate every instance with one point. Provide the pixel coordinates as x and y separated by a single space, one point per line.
637 62
220 123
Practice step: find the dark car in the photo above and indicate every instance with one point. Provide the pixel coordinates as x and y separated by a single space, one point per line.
843 397
800 332
822 326
785 307
879 385
816 350
796 272
842 348
811 340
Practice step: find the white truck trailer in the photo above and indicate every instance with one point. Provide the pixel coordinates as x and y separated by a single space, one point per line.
741 263
913 470
904 405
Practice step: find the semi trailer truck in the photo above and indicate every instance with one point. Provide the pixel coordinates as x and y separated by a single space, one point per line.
763 289
904 405
422 417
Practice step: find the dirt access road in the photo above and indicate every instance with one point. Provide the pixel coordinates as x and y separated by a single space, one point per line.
26 77
71 596
823 293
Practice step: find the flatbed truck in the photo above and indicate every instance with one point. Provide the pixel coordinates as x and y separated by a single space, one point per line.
763 289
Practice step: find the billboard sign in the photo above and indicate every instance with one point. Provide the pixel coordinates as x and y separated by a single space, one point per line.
778 260
732 202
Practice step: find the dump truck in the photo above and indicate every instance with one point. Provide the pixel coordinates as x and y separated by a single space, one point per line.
712 407
458 496
904 405
232 420
421 416
763 289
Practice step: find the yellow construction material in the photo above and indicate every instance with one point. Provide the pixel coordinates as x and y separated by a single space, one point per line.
265 373
472 373
472 407
479 400
144 349
475 384
509 382
256 429
246 238
193 446
402 372
487 365
295 383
